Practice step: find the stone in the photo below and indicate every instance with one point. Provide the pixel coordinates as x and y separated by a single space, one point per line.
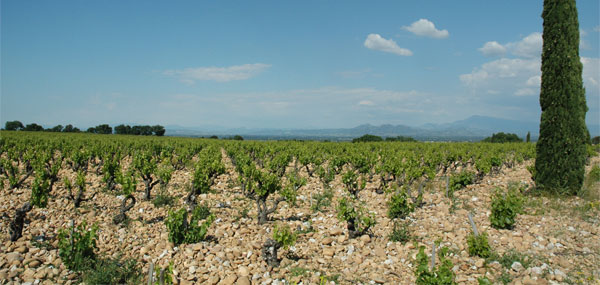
327 241
517 266
243 280
21 249
328 251
380 252
379 280
243 271
365 238
12 256
336 231
212 280
479 263
34 263
341 239
229 280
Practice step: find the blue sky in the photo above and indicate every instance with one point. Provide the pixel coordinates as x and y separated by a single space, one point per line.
278 64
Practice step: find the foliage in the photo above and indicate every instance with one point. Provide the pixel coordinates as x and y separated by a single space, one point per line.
367 138
461 180
503 138
167 274
353 182
400 139
284 236
441 274
163 199
182 231
113 271
479 245
358 220
13 126
400 232
103 129
144 130
399 205
76 246
505 207
322 200
40 190
561 147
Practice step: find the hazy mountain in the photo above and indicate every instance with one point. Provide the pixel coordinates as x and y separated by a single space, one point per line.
474 128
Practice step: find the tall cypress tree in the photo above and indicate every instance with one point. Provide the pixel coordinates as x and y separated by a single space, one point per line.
561 150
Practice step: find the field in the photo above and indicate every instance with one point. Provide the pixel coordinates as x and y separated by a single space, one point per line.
341 202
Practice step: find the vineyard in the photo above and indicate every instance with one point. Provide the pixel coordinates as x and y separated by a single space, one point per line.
202 211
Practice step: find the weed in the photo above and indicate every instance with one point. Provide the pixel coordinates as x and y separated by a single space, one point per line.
479 245
505 207
400 232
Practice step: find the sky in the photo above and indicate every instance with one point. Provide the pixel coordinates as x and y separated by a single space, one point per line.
279 64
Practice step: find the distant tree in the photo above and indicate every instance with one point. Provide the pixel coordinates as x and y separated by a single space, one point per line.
528 137
33 127
13 126
57 129
158 130
103 129
123 129
561 147
596 140
91 130
237 138
213 137
70 129
503 138
400 139
368 138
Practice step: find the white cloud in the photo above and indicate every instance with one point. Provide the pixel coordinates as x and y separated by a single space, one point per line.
366 103
501 68
219 74
493 49
376 42
530 46
591 73
424 27
525 92
534 81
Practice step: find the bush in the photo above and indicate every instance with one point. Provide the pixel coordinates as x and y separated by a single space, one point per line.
399 205
358 220
441 274
163 199
112 271
322 200
39 191
76 246
460 180
182 231
505 208
284 236
503 138
400 232
479 245
368 138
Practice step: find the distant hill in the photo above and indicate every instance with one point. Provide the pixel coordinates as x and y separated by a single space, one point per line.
474 128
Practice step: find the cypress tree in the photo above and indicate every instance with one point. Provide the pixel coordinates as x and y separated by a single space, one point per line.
561 150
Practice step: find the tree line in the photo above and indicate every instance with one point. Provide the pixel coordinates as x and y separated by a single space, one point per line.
144 130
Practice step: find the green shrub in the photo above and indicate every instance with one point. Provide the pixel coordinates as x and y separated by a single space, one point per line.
76 246
400 232
112 271
505 207
322 200
399 205
167 274
163 199
284 236
441 274
39 191
182 231
461 180
594 174
358 220
479 245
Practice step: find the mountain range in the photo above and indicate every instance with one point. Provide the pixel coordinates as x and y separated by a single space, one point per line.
474 128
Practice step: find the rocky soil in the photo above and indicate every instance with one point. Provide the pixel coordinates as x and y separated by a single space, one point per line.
559 237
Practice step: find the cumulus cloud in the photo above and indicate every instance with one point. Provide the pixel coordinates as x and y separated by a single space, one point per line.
525 92
376 42
492 49
501 68
534 81
218 74
591 73
530 46
426 28
366 103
